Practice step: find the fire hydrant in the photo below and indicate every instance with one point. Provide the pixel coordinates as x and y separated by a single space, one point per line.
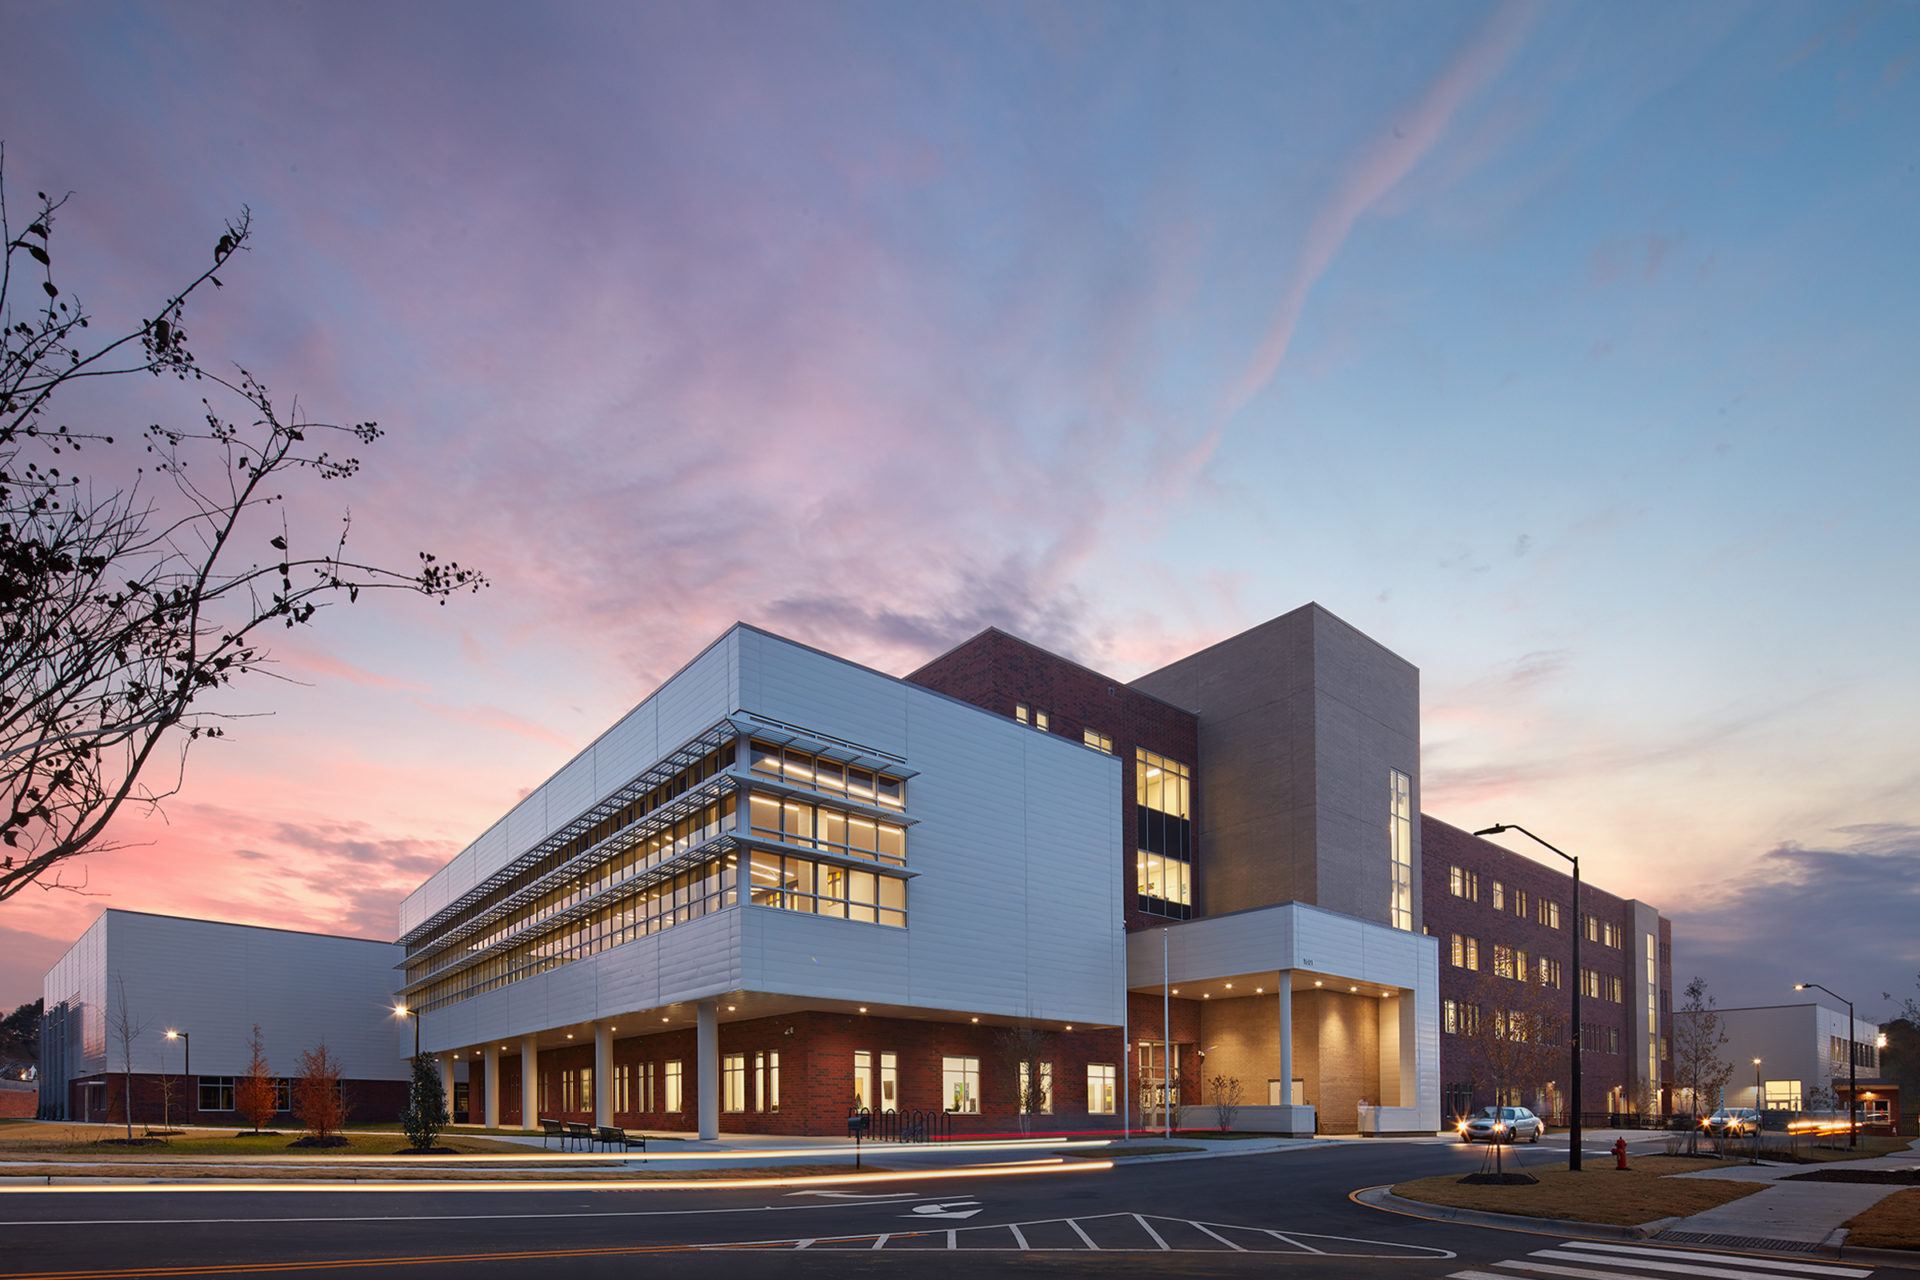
1619 1153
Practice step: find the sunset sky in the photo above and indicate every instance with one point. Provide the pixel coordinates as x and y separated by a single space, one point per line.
1571 351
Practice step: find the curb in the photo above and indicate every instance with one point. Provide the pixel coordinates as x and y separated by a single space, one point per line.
1381 1198
1834 1246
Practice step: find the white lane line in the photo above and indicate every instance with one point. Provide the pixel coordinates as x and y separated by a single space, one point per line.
429 1217
1730 1268
1019 1239
953 1239
1075 1224
1216 1235
1305 1248
801 1244
1764 1264
880 1242
1145 1226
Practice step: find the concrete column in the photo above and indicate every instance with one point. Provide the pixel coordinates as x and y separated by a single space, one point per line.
446 1081
707 1069
1286 1038
493 1086
602 1074
529 1084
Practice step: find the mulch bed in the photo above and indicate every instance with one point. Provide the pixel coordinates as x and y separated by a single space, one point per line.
1877 1177
319 1142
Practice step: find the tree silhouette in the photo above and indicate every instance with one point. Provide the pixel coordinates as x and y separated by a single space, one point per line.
137 577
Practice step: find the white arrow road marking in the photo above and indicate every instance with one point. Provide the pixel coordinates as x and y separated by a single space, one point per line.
858 1195
948 1209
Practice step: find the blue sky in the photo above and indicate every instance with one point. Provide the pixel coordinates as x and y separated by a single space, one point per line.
1568 350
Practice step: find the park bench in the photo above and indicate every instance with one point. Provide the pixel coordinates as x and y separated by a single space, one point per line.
611 1137
581 1133
553 1129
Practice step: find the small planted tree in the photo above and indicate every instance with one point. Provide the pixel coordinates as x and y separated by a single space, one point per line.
256 1094
126 1028
1226 1093
319 1103
426 1113
1700 1068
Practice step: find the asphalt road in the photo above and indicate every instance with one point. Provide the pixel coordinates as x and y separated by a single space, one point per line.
1286 1213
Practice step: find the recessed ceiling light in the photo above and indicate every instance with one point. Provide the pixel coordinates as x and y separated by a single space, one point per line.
976 1019
1259 990
613 1028
1316 982
863 1008
663 1019
569 1035
1206 995
1353 988
1229 986
1176 991
1069 1026
729 1008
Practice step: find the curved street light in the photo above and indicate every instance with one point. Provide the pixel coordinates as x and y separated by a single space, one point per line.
1573 1127
1853 1054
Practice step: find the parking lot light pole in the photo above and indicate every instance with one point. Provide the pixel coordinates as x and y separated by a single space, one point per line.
402 1011
186 1067
1853 1057
1573 1029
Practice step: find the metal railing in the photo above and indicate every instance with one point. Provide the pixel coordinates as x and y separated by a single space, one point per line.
901 1126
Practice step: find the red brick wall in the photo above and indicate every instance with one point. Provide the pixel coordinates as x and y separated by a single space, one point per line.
816 1073
19 1104
368 1102
1443 847
994 671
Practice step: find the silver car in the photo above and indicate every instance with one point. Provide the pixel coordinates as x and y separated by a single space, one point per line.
1502 1124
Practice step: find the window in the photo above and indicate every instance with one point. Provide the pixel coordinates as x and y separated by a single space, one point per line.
1100 1088
1464 883
1549 913
1499 896
283 1094
819 773
1450 1017
622 1087
1163 834
876 1080
733 1082
766 1081
1036 1088
673 1099
1473 953
1469 1019
1549 972
586 1089
216 1093
809 826
960 1084
1031 715
1502 960
1400 848
1097 740
1520 903
817 888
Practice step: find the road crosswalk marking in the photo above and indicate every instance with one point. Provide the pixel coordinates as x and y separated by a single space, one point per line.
1604 1261
1120 1233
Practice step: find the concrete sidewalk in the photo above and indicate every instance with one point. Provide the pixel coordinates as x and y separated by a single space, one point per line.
1789 1214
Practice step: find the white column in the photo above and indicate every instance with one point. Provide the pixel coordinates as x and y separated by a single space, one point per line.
602 1074
707 1064
529 1084
493 1087
446 1081
1286 1038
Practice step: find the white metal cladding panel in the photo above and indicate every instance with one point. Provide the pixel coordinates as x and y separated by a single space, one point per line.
572 790
1072 896
624 751
80 979
800 686
1427 1034
790 953
526 823
216 981
1007 814
704 691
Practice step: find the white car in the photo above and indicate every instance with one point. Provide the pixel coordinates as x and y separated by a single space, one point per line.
1502 1124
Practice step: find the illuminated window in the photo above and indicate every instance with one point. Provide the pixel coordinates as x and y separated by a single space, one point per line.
960 1084
673 1098
1400 847
1163 837
1036 1088
1499 896
766 1081
1100 1088
1464 883
1450 1017
733 1082
1097 740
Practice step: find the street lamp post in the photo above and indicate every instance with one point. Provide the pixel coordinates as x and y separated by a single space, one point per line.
1853 1056
1573 1037
1756 1111
186 1065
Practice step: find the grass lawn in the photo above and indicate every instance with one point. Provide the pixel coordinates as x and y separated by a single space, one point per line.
1894 1223
36 1138
1640 1194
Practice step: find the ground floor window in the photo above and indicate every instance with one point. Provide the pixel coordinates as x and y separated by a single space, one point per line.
283 1094
876 1080
216 1093
1100 1088
733 1082
960 1084
672 1101
622 1087
1036 1087
766 1081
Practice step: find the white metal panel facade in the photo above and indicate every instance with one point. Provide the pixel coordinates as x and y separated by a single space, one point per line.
1014 909
215 981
